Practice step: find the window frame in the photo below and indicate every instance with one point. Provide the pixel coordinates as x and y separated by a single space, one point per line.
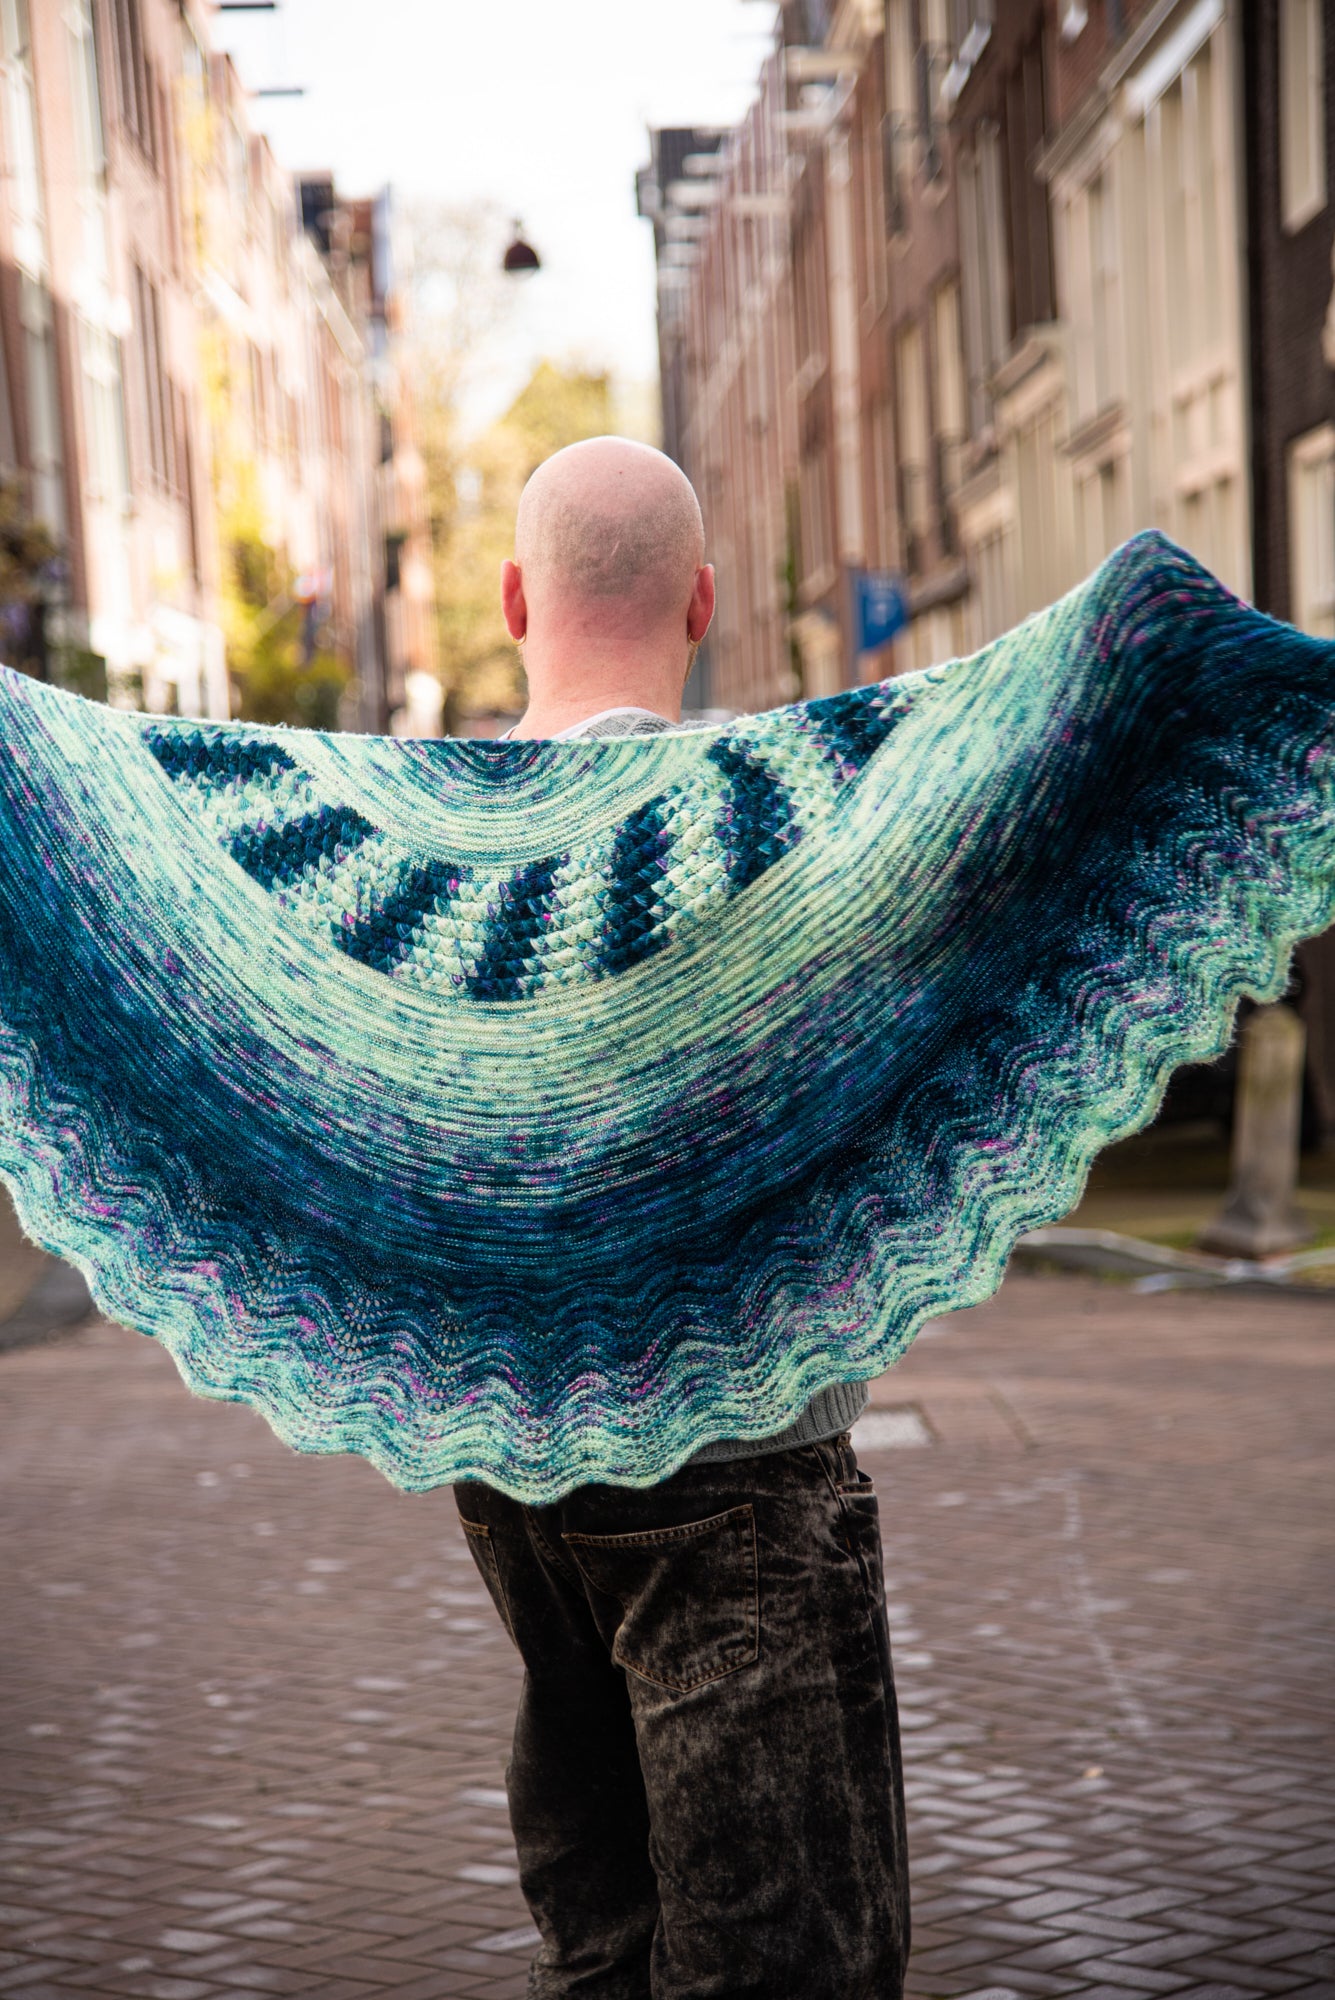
1301 55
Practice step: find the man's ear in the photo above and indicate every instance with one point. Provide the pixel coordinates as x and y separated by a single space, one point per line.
512 601
701 608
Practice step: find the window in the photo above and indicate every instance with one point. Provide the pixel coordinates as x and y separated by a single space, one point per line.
931 637
992 593
187 471
935 26
1199 81
1208 524
898 61
984 301
914 432
1302 119
1043 520
237 171
132 72
24 161
1181 128
194 64
817 519
1030 234
933 59
992 244
104 413
155 393
883 475
258 400
949 359
170 188
871 194
85 93
899 111
1101 512
1093 271
1103 291
331 375
1182 188
1312 531
278 248
45 438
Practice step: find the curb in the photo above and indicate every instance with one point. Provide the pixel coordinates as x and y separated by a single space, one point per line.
1153 1267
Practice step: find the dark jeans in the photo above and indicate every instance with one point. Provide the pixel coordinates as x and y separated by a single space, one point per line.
705 1786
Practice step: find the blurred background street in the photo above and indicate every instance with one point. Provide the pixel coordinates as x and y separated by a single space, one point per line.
257 1706
936 302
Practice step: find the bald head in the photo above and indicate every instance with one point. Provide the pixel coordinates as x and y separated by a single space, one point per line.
610 528
609 593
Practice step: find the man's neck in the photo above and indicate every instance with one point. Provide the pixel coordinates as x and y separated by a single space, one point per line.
548 717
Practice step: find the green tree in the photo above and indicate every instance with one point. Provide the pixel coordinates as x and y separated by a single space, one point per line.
461 307
265 632
480 664
28 558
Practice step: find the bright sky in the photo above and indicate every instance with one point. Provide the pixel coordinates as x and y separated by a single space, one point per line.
541 106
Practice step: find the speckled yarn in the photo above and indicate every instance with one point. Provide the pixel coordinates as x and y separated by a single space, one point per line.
538 1112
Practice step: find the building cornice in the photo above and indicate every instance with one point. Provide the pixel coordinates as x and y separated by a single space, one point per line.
1053 158
1038 346
1065 146
1093 441
1129 51
945 586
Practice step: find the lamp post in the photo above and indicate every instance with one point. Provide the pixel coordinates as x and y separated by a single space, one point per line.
520 256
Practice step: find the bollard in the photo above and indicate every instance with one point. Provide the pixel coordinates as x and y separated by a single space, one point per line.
1259 1217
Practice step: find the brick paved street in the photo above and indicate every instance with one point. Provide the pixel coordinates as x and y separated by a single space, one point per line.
256 1706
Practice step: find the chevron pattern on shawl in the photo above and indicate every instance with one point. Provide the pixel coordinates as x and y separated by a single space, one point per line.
537 1112
584 913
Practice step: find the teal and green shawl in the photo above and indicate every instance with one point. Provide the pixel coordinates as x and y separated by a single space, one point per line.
537 1112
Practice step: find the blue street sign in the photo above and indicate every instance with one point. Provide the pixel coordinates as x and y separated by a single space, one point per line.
880 607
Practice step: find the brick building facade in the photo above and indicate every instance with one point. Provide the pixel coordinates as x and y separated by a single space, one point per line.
1056 271
727 366
1289 104
177 358
1016 307
1289 51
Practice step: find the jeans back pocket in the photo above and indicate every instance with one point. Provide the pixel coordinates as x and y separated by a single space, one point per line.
689 1597
484 1555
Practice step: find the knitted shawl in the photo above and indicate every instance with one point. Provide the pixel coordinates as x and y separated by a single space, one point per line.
539 1111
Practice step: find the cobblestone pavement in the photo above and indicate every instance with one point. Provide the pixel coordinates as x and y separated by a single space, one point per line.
255 1706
